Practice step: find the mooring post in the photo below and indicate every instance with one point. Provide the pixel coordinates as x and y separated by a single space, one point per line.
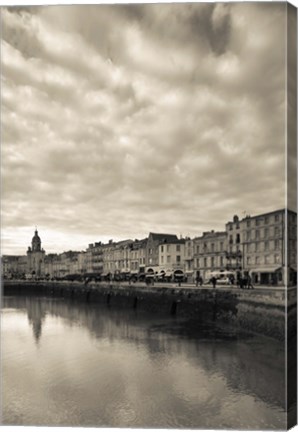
108 298
174 308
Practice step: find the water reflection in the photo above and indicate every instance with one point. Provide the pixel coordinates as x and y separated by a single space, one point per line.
104 367
36 314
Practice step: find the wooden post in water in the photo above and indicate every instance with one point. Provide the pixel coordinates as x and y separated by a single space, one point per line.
174 308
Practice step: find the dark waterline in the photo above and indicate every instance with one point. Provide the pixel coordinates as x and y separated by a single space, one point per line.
72 364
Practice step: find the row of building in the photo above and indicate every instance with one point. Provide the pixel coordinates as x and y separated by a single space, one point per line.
260 245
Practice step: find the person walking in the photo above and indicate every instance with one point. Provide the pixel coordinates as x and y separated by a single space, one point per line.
249 282
213 281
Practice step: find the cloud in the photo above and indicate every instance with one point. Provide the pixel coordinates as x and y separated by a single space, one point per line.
121 119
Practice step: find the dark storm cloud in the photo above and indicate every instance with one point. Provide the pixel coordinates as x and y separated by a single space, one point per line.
121 119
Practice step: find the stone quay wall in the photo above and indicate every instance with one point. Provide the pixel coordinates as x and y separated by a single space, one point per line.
265 312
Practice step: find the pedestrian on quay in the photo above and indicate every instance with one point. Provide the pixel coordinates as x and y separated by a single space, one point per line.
249 282
197 279
213 281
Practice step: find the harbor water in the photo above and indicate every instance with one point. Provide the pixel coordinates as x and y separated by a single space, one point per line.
67 363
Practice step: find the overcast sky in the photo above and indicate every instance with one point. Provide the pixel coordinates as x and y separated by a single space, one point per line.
120 120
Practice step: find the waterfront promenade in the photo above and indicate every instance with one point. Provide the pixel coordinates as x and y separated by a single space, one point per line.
261 310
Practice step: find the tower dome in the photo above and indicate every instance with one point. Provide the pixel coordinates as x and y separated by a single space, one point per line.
36 242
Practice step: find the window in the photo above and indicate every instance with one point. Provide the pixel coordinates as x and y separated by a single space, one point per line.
231 239
221 246
267 259
212 247
257 234
266 219
266 246
205 262
221 261
276 217
161 248
257 260
248 235
257 222
178 259
168 259
230 227
276 244
162 259
198 263
276 231
266 233
248 223
237 238
198 249
257 247
150 251
212 262
178 248
276 259
168 248
248 260
205 246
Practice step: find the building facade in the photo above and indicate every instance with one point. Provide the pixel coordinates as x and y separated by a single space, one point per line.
138 256
13 266
152 247
171 255
264 246
94 258
234 248
189 260
210 253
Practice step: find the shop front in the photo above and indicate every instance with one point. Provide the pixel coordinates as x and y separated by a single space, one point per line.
271 276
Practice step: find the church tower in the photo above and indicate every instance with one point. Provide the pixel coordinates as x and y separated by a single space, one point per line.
35 257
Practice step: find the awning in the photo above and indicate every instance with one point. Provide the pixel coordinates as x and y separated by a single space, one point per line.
178 271
265 270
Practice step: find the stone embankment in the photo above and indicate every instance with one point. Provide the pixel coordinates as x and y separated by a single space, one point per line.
264 311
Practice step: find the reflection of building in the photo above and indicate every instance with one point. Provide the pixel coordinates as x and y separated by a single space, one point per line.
210 253
35 257
36 316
